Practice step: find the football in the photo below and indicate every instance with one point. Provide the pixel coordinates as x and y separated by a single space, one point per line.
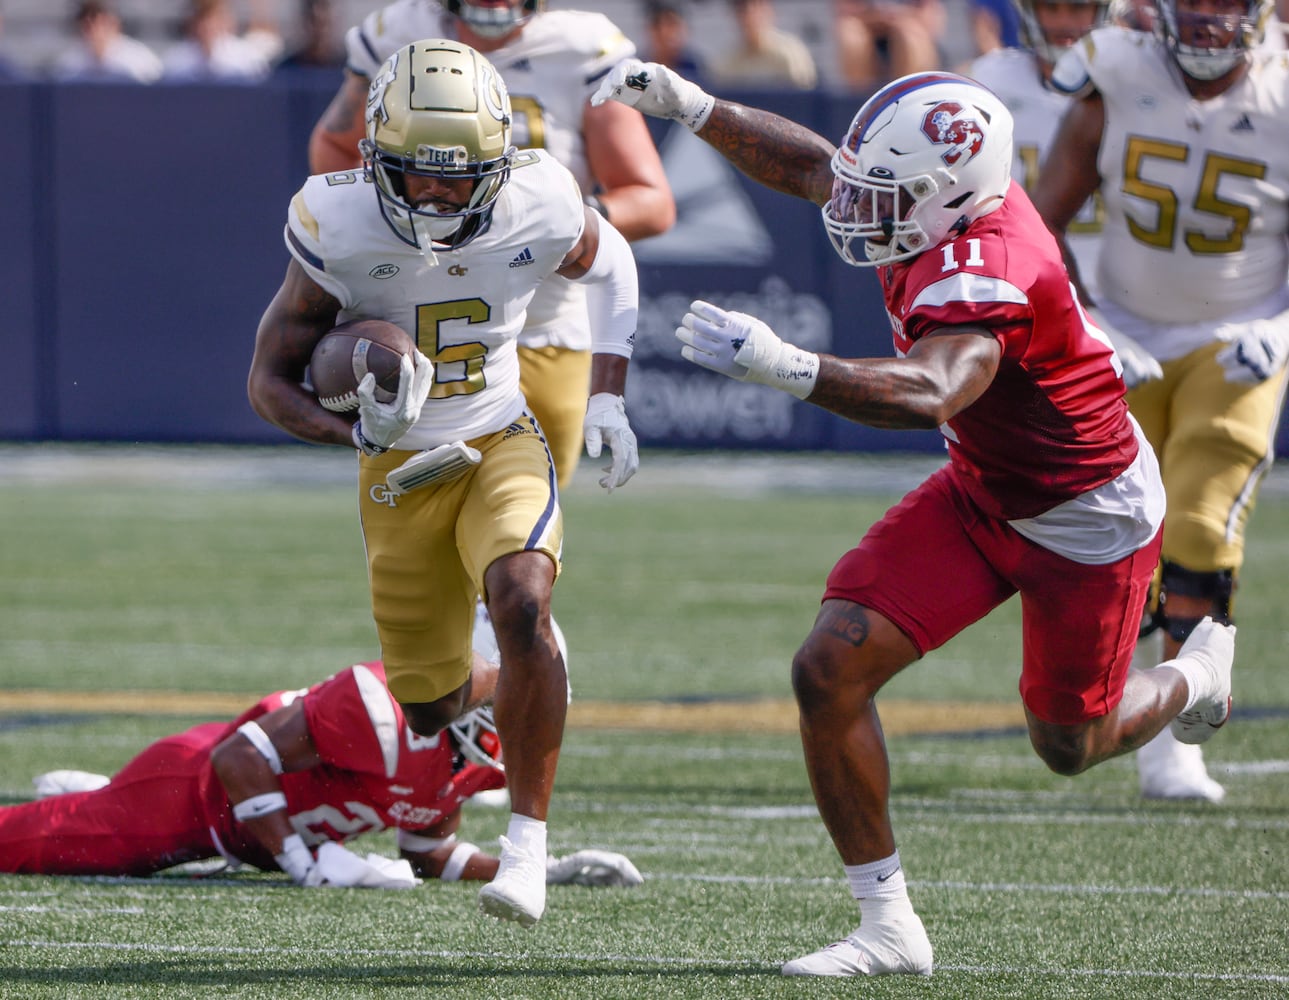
347 353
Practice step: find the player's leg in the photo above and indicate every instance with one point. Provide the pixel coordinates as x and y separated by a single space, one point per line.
422 595
149 817
913 582
1083 702
510 534
555 381
1218 445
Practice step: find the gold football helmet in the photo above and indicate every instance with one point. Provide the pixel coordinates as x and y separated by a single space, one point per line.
437 108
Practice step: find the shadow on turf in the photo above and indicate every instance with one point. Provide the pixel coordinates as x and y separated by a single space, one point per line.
174 973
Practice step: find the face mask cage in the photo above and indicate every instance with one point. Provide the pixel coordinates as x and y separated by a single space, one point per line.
493 22
475 734
879 212
420 226
1035 38
1244 29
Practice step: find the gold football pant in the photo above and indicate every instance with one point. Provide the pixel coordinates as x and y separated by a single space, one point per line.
556 382
428 551
1215 441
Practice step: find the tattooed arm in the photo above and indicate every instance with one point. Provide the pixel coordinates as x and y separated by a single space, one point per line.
771 150
333 145
299 315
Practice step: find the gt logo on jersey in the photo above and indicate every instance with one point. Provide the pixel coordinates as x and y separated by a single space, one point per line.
382 494
945 124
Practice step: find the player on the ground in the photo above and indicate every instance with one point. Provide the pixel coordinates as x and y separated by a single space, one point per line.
1050 490
448 232
552 62
281 787
1185 136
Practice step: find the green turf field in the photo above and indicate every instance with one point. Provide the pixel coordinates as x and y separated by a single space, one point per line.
188 580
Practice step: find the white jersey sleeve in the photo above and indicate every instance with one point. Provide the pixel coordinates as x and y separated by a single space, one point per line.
465 308
1014 75
1196 193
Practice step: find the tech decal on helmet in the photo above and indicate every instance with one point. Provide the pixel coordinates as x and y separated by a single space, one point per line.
437 108
924 157
494 18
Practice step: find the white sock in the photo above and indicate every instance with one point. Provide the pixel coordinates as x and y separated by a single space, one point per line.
527 834
880 889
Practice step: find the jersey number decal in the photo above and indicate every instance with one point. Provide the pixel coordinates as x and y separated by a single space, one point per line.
458 367
1163 233
529 128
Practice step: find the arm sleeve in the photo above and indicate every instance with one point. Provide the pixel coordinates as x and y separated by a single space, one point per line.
613 294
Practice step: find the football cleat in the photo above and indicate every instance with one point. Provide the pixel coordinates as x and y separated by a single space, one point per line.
897 947
1167 769
1211 647
518 892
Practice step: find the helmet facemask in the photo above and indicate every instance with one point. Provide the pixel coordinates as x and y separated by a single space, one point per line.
494 20
475 735
1206 46
437 109
1046 46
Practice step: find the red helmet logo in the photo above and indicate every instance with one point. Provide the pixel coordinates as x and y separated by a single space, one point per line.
947 124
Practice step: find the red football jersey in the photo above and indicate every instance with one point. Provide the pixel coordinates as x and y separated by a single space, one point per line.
1054 423
375 773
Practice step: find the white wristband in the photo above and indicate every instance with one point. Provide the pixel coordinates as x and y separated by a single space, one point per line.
456 862
295 859
258 805
408 841
261 742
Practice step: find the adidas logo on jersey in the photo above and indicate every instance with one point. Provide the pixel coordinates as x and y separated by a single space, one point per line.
522 259
1242 124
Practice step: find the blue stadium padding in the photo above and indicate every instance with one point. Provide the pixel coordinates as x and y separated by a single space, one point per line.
24 413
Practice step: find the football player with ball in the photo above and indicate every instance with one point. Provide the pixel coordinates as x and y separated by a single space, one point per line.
447 232
1050 489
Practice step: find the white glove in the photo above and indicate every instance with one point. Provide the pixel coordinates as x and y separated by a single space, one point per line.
606 420
66 781
1137 363
341 868
592 868
655 90
1257 352
380 425
744 348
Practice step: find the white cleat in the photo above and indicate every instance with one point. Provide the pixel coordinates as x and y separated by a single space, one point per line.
1167 769
518 892
1212 648
894 948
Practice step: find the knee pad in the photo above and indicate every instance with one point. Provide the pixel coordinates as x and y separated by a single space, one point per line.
1216 586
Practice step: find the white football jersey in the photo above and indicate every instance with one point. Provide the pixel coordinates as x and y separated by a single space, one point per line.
1014 75
466 307
1196 193
551 69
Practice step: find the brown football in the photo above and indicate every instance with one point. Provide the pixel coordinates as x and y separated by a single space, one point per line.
347 353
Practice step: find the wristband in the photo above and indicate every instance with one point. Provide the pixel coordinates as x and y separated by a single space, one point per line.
295 859
369 448
456 862
258 805
260 741
408 841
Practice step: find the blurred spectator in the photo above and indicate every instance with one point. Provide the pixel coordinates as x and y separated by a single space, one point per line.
103 51
213 49
9 72
765 55
668 39
880 40
994 25
322 46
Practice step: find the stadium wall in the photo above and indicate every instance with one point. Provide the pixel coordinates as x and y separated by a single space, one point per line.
143 239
